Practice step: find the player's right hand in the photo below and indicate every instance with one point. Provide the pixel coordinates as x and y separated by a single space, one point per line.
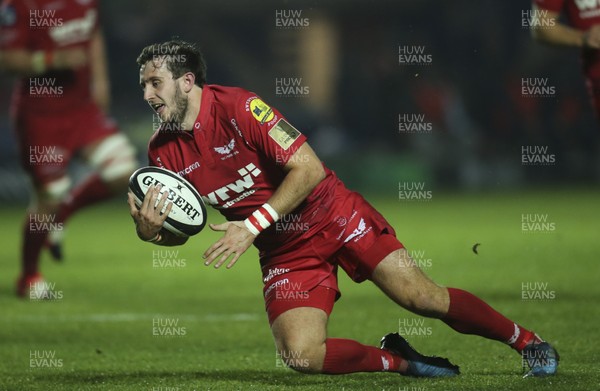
69 58
149 218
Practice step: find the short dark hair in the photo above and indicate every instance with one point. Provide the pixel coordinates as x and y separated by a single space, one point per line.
181 57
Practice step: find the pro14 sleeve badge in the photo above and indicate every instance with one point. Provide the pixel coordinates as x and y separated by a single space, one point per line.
284 134
261 111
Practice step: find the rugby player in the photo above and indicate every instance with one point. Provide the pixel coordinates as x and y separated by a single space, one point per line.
582 30
254 167
59 110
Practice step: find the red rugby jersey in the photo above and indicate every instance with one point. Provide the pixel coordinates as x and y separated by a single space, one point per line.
234 157
48 25
582 14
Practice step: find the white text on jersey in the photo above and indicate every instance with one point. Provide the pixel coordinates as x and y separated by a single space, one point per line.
240 186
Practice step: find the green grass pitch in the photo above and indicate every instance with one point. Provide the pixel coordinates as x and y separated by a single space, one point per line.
99 335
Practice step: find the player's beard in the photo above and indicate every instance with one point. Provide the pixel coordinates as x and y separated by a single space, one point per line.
180 107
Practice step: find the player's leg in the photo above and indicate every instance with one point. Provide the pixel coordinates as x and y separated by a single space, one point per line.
300 291
45 157
398 276
372 252
375 253
113 160
301 340
402 280
300 333
593 87
39 221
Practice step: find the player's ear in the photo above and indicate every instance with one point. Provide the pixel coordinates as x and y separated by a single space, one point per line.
188 81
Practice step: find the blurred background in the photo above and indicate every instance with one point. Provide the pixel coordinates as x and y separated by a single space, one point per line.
387 91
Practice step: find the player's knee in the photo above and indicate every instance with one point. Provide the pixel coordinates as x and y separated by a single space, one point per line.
114 158
427 302
301 355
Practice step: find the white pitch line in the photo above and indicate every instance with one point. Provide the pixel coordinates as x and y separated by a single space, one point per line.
133 317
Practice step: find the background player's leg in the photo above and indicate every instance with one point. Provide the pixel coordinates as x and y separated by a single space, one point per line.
301 340
90 191
593 87
113 161
41 215
35 232
403 281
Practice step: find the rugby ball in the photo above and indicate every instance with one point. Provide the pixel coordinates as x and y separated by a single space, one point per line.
188 214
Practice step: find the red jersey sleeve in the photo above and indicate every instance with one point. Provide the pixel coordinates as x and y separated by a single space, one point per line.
550 5
14 27
266 130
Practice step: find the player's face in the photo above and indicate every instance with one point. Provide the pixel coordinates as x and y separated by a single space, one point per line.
162 92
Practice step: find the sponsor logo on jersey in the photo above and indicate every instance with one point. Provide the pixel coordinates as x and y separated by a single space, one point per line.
284 134
587 4
261 111
275 285
359 232
341 221
242 186
226 149
277 271
188 169
235 126
76 30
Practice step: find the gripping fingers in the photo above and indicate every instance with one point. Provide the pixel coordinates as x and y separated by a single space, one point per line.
161 204
148 202
167 211
133 210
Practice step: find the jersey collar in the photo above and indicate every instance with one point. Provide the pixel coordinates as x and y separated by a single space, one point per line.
205 105
202 124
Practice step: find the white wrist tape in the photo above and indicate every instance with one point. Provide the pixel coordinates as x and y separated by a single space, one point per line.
261 219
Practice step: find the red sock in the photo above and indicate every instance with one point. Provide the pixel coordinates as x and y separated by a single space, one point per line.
34 236
90 191
468 314
348 356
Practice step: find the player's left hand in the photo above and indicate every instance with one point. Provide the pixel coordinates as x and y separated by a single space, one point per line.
236 241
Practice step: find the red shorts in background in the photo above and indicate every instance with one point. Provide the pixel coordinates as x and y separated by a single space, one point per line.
356 237
48 141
